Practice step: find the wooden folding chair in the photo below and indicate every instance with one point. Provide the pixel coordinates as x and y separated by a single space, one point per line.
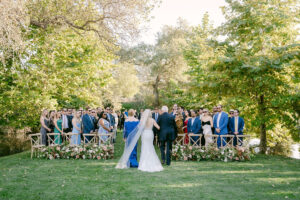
105 138
51 138
224 139
195 142
179 140
215 140
243 140
36 143
92 140
68 138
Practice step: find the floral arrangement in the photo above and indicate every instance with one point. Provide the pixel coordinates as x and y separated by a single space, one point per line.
226 154
91 151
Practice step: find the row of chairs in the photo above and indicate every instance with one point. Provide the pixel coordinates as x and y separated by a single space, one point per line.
88 139
228 140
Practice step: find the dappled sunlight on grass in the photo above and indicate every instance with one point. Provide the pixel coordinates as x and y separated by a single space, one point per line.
279 180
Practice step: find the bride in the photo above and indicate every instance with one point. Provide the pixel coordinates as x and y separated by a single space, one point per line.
149 160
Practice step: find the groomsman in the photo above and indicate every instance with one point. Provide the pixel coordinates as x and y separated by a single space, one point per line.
70 118
236 125
231 115
194 126
220 124
88 124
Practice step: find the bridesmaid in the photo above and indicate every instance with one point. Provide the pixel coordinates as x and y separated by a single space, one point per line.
188 116
104 126
58 127
45 126
130 123
76 122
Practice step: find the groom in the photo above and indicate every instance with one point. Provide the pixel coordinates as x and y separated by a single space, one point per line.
167 134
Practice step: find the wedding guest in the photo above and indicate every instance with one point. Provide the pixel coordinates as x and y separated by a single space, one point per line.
65 121
95 119
231 114
88 125
115 127
188 116
129 125
174 111
207 124
110 117
104 126
140 114
76 124
194 126
122 120
44 126
236 125
51 119
179 122
214 113
70 117
58 128
200 113
99 111
220 124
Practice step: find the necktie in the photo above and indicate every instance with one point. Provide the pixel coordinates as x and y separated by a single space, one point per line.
236 124
218 119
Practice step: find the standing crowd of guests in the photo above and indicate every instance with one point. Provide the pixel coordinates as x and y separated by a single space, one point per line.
204 122
80 122
200 122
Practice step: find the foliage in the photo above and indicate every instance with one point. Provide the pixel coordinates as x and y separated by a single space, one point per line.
226 154
255 68
104 152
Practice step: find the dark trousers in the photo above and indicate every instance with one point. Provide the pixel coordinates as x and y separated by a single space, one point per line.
168 151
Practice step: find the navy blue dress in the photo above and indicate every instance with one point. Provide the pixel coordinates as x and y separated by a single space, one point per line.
128 127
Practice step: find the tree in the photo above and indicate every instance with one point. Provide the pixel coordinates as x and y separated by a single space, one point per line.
257 65
162 62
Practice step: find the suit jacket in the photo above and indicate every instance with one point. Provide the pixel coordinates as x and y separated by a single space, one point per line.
222 123
111 119
241 125
168 128
195 127
88 124
155 130
70 117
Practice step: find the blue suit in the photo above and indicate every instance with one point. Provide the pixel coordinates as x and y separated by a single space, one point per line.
222 126
88 125
194 128
240 127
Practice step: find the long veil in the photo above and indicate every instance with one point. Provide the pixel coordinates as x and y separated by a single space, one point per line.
132 139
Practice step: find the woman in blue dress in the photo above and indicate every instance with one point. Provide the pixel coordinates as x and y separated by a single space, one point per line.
76 121
104 126
129 125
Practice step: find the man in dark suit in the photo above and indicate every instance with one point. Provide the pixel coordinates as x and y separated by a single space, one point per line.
167 134
194 126
236 124
70 118
88 124
155 116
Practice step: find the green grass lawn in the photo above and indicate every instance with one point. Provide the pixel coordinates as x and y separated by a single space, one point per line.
265 177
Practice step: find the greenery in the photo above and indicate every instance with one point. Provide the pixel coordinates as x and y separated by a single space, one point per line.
56 54
105 151
264 177
225 154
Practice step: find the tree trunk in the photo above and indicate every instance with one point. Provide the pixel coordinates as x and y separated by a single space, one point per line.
156 91
263 131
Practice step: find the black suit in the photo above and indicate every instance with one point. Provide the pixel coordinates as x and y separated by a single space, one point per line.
155 130
167 134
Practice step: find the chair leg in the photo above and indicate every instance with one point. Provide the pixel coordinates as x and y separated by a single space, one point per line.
31 153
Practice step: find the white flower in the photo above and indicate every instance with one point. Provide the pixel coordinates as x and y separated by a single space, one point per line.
83 157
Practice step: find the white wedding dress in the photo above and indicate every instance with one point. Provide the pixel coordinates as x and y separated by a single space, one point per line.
149 160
